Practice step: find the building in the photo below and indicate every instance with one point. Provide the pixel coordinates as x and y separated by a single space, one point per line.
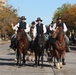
3 3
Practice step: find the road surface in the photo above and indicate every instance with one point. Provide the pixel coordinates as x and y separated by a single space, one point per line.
8 65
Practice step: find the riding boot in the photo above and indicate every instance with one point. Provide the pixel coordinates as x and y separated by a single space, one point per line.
63 61
12 42
35 65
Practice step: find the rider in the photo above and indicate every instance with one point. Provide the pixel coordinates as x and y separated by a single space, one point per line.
40 28
24 26
60 23
32 30
51 29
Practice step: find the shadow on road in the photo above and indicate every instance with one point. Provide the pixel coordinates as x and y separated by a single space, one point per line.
10 62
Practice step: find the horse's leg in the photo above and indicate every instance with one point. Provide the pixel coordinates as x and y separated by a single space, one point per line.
51 51
23 59
32 56
58 63
63 58
35 58
58 57
42 57
54 55
28 56
54 62
20 58
17 57
38 59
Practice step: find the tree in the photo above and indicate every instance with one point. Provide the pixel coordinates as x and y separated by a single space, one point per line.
7 15
61 11
70 17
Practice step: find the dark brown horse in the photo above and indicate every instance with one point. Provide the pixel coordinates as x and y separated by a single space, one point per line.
59 47
39 49
22 45
49 48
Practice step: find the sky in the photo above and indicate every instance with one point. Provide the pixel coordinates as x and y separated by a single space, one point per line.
32 9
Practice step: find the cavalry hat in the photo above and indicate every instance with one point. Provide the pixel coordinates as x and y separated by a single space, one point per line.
23 18
38 19
59 18
33 22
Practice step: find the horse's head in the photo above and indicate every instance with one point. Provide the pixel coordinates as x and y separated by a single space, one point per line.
59 32
20 33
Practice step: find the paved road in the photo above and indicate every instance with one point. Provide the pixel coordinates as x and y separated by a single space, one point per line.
8 65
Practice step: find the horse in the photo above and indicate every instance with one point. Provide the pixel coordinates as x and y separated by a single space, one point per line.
22 45
59 47
31 46
50 45
39 44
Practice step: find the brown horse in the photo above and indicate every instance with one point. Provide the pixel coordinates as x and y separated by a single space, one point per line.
22 45
59 47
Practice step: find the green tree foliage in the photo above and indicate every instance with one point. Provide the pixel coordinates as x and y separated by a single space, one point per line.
7 15
61 11
68 13
70 17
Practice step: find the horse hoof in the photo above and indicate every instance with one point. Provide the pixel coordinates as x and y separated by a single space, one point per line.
15 60
54 65
64 63
23 64
38 64
58 68
32 60
34 65
60 64
17 63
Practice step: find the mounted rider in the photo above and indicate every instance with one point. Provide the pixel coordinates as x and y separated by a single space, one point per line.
40 27
60 23
22 24
51 29
32 30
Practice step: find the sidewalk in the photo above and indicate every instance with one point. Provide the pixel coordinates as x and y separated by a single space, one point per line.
4 42
4 47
